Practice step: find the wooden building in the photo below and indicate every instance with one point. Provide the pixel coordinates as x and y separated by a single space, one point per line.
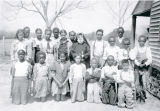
151 9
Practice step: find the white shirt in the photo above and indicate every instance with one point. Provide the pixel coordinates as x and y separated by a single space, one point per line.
112 50
37 42
98 47
127 76
109 70
44 46
22 69
144 49
77 71
56 41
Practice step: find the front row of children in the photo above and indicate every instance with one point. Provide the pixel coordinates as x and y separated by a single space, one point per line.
100 84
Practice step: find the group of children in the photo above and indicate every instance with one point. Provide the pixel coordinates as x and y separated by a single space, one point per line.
101 72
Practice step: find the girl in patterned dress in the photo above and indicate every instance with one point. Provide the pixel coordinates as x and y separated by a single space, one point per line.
41 74
60 78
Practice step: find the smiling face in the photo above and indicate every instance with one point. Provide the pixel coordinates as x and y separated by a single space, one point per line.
110 60
62 57
94 63
21 55
112 41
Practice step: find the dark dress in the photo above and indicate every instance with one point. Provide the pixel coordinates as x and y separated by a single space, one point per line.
83 50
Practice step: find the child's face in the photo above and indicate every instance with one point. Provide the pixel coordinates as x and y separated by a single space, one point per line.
112 41
20 36
80 39
21 55
48 35
72 36
94 64
141 41
99 35
56 33
62 57
26 32
78 59
120 32
63 34
126 44
125 66
42 59
39 34
110 60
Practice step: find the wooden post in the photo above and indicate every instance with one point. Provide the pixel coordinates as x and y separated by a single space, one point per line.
134 29
3 45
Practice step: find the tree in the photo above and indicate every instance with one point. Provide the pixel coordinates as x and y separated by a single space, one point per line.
49 10
120 11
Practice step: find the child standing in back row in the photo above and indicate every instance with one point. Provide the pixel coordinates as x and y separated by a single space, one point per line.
41 74
76 79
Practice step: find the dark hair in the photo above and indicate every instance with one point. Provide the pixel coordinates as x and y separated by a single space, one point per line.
143 37
38 29
126 39
63 31
99 30
48 29
26 27
111 37
72 32
125 61
66 55
55 28
121 28
41 53
22 51
18 31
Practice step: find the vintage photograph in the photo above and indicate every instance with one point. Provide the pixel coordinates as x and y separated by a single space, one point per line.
80 55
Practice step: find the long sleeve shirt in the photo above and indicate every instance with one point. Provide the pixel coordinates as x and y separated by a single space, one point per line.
112 50
140 53
77 71
108 71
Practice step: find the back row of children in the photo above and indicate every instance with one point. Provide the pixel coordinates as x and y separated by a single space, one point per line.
63 65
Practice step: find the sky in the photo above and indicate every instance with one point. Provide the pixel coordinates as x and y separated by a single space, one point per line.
97 15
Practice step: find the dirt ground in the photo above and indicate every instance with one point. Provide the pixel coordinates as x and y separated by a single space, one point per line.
152 103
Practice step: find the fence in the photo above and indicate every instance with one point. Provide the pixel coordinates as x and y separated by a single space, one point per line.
5 46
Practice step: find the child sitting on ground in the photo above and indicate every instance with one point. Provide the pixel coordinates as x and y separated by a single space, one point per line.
108 74
93 86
